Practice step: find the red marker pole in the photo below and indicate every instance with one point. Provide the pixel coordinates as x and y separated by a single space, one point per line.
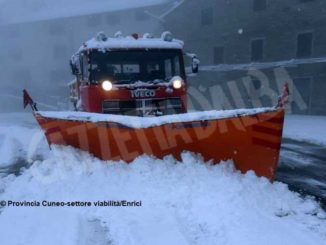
284 98
29 101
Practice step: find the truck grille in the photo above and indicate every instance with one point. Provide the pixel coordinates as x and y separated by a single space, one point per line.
144 107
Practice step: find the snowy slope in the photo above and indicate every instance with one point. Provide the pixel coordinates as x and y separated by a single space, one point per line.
306 128
183 203
15 11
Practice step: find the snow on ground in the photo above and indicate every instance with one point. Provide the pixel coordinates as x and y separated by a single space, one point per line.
182 203
306 128
20 138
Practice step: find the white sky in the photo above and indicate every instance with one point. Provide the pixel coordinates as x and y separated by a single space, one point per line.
13 11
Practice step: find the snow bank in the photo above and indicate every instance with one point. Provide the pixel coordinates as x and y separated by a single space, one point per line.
184 203
146 122
306 128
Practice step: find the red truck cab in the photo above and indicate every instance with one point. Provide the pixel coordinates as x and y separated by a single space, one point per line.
130 76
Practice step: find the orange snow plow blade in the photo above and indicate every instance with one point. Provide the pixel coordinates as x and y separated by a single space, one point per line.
252 141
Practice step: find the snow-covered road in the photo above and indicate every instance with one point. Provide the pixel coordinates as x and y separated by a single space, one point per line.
20 139
303 167
306 128
185 203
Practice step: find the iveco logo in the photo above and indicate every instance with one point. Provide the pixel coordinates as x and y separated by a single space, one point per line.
143 93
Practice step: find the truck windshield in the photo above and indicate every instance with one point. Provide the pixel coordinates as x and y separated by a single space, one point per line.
129 66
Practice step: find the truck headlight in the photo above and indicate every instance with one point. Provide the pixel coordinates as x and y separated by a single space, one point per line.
177 82
107 85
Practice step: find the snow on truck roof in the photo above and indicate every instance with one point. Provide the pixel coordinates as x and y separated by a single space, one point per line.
147 41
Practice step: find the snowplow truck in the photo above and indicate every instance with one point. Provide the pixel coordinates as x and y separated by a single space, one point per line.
130 76
130 98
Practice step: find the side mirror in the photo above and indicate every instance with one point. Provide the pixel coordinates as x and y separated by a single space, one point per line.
194 62
195 65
